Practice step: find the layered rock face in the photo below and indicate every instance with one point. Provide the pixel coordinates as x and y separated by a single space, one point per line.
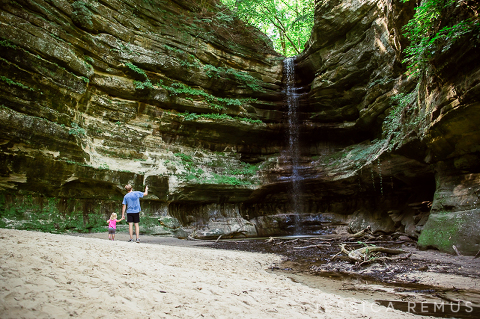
350 173
178 95
182 97
426 156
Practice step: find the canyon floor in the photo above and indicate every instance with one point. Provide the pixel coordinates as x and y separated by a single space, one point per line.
425 282
86 275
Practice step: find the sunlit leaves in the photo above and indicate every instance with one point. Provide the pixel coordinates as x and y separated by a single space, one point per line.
288 23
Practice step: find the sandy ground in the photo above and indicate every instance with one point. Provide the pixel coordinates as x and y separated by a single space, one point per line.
58 276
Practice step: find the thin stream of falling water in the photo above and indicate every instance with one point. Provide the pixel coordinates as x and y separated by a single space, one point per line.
293 136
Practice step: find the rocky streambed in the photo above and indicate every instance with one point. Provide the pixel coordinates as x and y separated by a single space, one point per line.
427 282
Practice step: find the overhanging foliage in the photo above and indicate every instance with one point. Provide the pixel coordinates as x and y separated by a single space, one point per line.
288 23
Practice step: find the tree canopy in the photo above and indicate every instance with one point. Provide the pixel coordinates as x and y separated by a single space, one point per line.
288 23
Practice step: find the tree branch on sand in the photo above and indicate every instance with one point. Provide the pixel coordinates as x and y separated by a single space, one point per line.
478 254
370 254
361 233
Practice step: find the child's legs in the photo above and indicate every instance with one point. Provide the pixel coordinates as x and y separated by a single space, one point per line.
111 233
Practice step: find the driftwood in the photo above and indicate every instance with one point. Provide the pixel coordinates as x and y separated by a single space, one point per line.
314 246
366 254
361 253
384 258
360 233
378 242
477 255
456 250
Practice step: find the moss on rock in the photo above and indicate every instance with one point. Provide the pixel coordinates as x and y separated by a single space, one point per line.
445 229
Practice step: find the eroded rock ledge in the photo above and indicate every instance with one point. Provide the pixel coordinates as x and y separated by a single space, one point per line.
111 92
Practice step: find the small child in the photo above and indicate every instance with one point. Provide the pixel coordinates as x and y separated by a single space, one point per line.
112 225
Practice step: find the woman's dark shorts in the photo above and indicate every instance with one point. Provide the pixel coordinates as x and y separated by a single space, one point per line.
133 218
111 231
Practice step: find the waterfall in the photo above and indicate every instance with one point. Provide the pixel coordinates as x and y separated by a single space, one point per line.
292 98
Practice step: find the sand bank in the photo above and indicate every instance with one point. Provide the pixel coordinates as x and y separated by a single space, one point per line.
58 276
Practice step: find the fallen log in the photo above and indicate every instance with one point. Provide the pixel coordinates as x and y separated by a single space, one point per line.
384 258
362 243
363 254
476 256
313 246
360 233
456 250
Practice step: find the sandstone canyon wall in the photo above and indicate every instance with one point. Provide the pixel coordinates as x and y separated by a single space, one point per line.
99 94
416 170
180 96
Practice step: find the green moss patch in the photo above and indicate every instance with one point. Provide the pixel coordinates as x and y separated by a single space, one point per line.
445 229
15 83
44 214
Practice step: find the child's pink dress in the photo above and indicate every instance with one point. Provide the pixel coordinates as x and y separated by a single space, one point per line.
112 226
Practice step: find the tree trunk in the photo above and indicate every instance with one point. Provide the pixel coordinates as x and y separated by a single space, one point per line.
282 41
